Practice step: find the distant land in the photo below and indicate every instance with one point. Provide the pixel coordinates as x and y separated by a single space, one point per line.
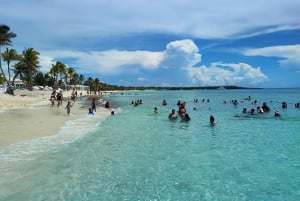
183 88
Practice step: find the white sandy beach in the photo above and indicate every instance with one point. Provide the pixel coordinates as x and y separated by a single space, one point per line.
23 99
28 115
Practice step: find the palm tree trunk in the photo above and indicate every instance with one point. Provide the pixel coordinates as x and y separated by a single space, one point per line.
8 74
1 65
30 79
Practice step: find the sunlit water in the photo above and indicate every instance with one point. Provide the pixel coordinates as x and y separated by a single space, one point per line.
139 155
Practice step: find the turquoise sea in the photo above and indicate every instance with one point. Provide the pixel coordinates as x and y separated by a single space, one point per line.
138 155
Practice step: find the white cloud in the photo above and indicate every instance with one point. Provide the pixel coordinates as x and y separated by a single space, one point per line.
178 60
141 79
45 63
290 54
227 74
109 62
180 54
76 19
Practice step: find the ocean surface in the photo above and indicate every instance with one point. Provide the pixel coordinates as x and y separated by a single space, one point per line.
139 155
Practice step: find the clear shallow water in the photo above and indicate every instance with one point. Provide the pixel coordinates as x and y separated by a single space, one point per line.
139 155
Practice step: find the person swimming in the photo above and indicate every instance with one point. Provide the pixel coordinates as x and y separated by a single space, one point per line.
284 105
212 120
265 107
185 117
276 113
107 104
164 103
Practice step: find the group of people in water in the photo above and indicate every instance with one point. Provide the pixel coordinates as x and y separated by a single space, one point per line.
57 95
181 112
266 109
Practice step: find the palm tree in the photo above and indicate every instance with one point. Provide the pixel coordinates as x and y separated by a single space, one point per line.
69 74
57 70
19 69
90 82
8 56
5 39
81 79
30 60
74 78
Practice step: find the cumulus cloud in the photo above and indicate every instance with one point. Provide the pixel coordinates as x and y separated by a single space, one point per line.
184 55
227 74
289 54
109 62
45 63
180 54
177 64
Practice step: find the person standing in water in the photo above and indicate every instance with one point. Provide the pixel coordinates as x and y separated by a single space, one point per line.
94 104
212 120
68 107
173 115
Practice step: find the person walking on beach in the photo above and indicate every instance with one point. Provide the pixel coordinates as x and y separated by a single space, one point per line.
68 107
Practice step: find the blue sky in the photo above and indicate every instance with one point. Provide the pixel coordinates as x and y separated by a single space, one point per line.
164 43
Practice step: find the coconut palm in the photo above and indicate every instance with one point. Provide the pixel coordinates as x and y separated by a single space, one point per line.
69 74
30 60
57 70
74 79
5 40
18 69
81 79
10 55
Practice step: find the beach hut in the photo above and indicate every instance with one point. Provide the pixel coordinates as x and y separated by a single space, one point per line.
19 84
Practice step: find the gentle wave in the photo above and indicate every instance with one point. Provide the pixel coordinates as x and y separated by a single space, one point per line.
69 133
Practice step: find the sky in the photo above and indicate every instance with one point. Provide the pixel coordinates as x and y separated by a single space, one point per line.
164 43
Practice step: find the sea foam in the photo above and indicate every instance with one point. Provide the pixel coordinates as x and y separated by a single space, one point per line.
72 131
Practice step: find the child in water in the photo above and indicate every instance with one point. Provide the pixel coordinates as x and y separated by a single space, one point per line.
68 107
91 111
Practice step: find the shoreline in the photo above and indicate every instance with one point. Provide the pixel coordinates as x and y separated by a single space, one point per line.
28 115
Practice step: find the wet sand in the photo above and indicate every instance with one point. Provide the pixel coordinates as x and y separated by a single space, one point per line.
29 123
29 115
